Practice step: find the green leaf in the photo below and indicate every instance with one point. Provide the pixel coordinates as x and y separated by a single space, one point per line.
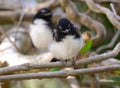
118 71
116 81
114 78
86 47
54 69
85 66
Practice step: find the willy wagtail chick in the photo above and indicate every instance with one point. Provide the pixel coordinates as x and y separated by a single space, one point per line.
67 41
41 29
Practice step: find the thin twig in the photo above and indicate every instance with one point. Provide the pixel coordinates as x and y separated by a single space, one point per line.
111 44
114 11
72 80
8 38
94 81
19 23
21 18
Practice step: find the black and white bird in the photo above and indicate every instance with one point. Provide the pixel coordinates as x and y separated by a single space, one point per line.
67 40
41 29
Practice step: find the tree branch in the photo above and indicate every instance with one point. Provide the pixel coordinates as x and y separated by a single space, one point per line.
73 82
45 4
94 81
9 6
13 16
114 1
62 73
100 9
30 66
111 44
114 11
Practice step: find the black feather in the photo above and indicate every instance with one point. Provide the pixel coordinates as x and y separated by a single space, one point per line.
45 14
64 28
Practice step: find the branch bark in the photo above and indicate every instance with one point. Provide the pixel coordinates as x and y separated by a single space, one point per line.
100 9
30 66
114 1
62 73
94 81
13 16
111 44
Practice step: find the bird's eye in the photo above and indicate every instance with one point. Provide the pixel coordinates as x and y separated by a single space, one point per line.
68 25
66 30
43 11
47 14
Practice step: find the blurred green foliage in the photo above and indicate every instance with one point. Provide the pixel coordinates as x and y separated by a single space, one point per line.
86 47
115 81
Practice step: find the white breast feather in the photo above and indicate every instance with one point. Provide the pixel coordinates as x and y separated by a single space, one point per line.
40 34
68 48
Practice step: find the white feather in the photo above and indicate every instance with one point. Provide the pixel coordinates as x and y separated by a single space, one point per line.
40 34
67 48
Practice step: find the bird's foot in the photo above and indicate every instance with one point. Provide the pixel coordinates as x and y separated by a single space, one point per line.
64 62
73 62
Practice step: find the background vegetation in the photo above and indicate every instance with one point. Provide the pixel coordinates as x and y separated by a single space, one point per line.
97 64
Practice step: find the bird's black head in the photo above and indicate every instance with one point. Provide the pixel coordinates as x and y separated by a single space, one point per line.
65 27
44 13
